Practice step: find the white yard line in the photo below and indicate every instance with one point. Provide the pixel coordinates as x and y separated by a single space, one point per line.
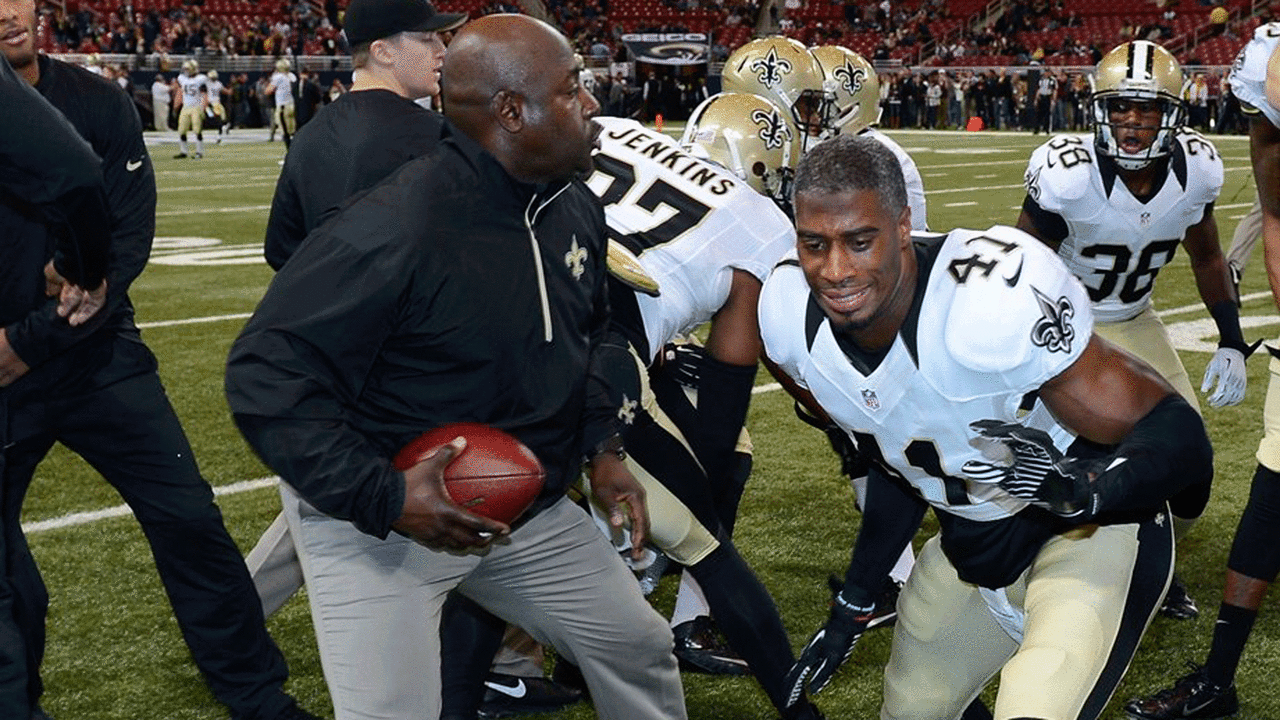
88 516
204 210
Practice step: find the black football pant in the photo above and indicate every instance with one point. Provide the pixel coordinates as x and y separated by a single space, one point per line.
129 433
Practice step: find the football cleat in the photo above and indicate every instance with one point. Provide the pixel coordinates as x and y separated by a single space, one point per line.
1193 696
509 695
701 648
1177 603
198 155
179 156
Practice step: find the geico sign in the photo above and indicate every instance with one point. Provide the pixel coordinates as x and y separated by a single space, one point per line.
665 37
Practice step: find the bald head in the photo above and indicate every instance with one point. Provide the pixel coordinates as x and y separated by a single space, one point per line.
511 84
497 53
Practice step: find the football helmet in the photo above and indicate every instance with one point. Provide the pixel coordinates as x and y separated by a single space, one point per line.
190 68
1137 71
282 65
748 136
854 86
784 72
213 74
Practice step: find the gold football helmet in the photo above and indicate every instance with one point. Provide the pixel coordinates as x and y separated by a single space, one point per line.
190 68
854 86
748 136
283 65
1144 72
784 72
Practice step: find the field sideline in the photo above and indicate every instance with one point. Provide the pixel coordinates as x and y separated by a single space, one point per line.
114 650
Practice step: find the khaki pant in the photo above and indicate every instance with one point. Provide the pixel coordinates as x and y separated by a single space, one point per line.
1086 599
190 118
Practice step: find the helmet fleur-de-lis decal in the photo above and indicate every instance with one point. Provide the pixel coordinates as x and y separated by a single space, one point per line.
774 132
770 68
850 77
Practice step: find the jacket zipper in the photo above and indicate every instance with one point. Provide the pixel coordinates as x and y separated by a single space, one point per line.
530 216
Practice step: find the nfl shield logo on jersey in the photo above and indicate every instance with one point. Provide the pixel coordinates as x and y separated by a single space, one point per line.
870 400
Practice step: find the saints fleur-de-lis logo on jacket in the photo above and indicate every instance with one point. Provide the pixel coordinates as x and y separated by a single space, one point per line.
770 68
774 132
576 259
1053 332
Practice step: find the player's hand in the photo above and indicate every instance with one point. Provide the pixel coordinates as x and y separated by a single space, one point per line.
74 303
617 492
683 362
12 367
1227 368
1039 473
431 517
828 648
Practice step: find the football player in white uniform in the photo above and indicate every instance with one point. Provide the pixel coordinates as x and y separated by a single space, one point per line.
215 103
1209 691
832 91
191 84
708 237
964 367
282 81
1116 210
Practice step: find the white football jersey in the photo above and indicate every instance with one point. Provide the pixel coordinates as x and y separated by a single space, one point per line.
215 92
1249 73
998 316
689 221
1115 243
282 83
191 88
911 175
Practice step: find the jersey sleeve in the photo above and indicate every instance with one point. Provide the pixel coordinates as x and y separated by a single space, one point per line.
1204 168
1058 173
1249 72
1006 312
783 302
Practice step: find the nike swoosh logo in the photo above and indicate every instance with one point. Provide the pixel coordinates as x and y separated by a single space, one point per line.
516 691
1188 711
132 165
1011 281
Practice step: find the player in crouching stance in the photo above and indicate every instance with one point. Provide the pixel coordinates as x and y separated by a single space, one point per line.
965 369
1116 211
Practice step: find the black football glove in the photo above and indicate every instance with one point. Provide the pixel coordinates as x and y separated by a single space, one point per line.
683 362
1039 473
829 647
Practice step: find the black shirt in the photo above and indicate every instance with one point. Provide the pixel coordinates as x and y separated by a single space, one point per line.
350 145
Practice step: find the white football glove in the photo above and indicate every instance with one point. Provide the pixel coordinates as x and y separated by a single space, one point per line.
1227 368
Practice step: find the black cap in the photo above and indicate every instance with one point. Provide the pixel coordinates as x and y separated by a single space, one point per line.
369 20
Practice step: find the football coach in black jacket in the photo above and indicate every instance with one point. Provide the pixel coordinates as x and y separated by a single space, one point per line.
470 286
94 388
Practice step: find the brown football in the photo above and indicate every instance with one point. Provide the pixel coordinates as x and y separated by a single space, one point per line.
495 475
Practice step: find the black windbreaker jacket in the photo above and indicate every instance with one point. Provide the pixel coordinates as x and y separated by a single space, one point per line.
451 292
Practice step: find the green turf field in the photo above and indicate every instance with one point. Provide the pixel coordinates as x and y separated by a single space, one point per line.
114 651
